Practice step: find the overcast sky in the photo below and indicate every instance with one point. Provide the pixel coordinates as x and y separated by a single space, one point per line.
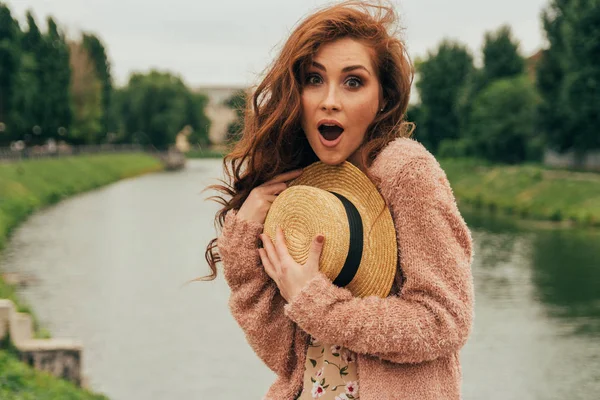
229 42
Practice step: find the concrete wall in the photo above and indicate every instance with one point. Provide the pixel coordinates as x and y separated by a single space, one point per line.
59 357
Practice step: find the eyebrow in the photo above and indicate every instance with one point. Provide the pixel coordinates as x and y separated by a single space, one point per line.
346 69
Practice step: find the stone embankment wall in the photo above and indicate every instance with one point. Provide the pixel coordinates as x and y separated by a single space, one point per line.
59 357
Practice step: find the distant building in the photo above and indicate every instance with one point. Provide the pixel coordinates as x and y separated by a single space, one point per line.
220 115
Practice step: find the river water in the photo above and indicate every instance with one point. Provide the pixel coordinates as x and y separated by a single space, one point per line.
109 268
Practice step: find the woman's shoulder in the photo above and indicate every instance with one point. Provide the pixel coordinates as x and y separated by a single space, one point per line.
406 166
403 155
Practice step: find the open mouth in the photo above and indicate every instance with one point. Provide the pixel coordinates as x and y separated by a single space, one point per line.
330 132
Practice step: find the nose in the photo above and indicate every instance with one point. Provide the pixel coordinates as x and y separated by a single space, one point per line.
331 101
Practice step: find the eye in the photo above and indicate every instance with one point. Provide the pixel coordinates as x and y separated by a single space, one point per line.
313 79
356 82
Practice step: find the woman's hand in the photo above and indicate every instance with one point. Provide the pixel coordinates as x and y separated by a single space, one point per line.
289 276
257 204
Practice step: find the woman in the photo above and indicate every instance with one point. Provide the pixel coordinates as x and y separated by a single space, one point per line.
339 91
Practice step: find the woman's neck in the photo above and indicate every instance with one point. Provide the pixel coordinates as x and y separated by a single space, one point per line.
356 160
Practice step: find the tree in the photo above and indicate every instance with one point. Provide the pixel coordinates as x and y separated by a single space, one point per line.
97 53
568 76
441 76
57 78
86 95
501 58
502 127
30 98
154 107
10 62
198 120
42 98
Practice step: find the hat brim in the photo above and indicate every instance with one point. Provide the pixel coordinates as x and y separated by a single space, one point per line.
378 264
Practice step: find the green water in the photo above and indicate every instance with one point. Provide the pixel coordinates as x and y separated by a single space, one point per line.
537 316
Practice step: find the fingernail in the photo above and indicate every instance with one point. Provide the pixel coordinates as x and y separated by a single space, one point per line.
320 238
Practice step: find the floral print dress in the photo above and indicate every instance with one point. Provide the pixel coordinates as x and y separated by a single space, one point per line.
329 373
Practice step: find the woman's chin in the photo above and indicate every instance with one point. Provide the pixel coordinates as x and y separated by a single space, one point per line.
332 158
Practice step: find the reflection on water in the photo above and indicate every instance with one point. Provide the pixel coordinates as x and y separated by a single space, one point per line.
565 265
110 265
566 274
536 314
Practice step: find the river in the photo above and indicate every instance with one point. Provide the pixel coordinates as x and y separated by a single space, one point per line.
109 268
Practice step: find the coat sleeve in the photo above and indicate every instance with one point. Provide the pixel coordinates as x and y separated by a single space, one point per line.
255 302
432 315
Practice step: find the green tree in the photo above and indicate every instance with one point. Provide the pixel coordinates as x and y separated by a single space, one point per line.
568 75
503 67
97 53
57 78
30 97
502 127
86 95
501 57
10 62
154 107
200 123
441 77
43 99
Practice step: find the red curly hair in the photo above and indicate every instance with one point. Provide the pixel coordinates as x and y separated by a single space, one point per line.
272 141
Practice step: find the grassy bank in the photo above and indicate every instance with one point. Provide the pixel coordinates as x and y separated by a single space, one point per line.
29 186
20 382
527 191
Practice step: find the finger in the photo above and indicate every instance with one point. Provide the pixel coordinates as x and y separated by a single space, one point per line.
286 176
281 246
271 252
270 198
314 254
273 188
267 263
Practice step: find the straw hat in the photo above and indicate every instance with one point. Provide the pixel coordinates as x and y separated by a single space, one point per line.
339 201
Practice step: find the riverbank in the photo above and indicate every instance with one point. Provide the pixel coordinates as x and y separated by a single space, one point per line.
528 191
20 382
26 187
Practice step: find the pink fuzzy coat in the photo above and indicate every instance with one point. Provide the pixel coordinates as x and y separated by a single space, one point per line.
407 343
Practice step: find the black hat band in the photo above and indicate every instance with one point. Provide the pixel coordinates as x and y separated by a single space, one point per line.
356 243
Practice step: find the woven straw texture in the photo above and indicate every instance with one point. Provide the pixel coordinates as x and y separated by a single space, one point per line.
307 208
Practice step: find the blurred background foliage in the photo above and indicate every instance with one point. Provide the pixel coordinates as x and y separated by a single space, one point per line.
52 87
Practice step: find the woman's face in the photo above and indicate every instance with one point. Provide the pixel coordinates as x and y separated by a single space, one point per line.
340 88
